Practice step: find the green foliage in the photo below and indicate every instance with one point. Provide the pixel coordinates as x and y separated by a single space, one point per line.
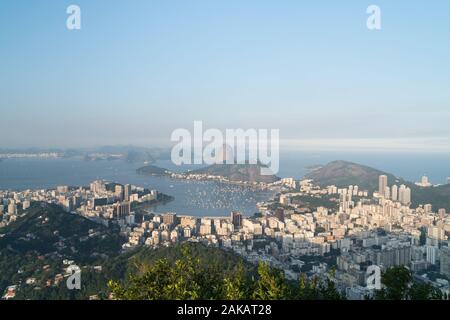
48 229
236 287
328 291
307 289
271 284
185 279
398 284
424 291
314 202
31 249
190 277
396 281
47 235
151 170
313 289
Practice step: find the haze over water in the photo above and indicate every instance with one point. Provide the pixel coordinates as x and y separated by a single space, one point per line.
200 198
207 198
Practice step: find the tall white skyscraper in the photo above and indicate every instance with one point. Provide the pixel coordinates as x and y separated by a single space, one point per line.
401 193
407 196
387 193
394 193
382 184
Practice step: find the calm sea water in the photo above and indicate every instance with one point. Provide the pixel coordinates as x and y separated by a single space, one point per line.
207 198
200 198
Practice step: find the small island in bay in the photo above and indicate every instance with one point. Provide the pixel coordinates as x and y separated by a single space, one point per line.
237 172
152 170
227 173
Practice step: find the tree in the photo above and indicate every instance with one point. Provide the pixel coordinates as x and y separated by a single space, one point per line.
314 290
328 291
307 289
189 277
163 281
271 284
396 281
153 285
399 285
236 287
424 291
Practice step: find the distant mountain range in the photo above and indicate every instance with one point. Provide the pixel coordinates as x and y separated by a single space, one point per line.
343 173
135 154
128 153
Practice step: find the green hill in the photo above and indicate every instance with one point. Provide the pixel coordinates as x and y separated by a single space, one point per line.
36 244
152 170
343 173
48 228
238 172
438 196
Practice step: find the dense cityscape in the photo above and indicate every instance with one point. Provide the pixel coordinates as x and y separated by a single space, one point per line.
347 230
224 159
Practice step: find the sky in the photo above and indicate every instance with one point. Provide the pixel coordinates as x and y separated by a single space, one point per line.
137 70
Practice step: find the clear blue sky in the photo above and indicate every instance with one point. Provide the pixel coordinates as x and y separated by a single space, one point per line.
139 69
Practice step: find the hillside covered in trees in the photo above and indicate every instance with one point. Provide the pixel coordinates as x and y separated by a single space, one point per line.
37 244
198 275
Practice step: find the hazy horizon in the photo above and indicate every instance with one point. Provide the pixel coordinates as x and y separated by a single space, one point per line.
137 71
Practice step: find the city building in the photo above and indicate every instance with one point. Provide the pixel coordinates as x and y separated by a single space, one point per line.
382 184
432 252
236 219
445 261
169 218
394 193
424 182
127 192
